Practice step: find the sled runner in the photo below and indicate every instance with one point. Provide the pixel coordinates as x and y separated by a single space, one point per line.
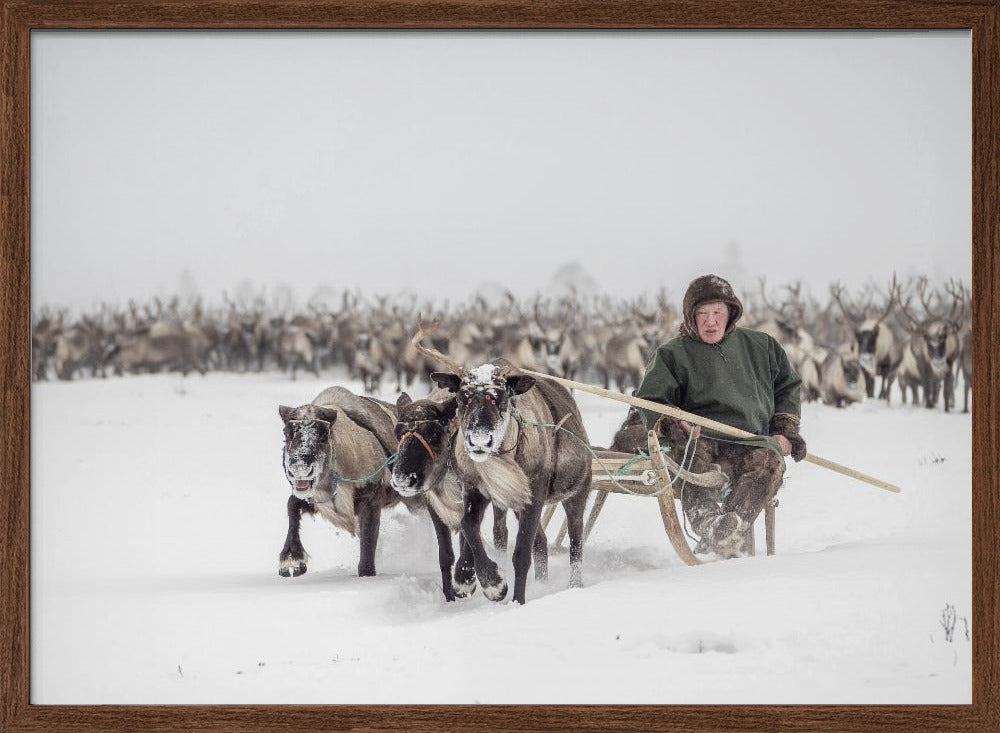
654 475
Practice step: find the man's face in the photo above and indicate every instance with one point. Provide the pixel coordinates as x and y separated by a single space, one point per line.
711 319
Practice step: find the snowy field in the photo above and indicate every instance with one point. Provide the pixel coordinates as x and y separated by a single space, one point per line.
158 511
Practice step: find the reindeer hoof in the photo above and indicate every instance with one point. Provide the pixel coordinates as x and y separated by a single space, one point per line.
463 581
463 590
493 582
292 566
495 593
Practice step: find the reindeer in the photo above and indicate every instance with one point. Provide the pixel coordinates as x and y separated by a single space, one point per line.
140 352
335 456
785 325
934 344
82 345
553 351
785 322
370 356
501 455
878 350
628 347
295 345
842 381
425 431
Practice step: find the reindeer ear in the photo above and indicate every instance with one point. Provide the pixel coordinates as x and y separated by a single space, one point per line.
520 384
403 400
447 380
326 413
285 412
449 408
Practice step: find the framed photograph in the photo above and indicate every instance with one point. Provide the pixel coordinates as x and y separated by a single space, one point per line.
255 173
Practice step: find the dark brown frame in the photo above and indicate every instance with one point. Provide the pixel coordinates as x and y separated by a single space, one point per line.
19 17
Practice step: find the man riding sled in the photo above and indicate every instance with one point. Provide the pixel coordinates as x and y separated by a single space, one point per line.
735 376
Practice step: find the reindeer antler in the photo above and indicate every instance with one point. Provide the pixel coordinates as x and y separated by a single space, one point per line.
837 292
956 290
431 352
890 300
912 323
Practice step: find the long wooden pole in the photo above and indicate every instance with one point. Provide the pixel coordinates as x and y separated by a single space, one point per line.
711 424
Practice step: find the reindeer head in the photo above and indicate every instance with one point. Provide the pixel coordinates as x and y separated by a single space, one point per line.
484 397
307 455
852 372
424 431
485 405
547 336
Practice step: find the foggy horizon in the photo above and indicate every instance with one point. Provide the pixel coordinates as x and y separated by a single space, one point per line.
452 163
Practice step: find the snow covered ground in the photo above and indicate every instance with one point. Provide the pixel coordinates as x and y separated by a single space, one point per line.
158 511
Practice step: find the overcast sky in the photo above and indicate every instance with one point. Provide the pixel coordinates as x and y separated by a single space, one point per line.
441 162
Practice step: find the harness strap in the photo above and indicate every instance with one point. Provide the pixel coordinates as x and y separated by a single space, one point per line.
520 433
419 437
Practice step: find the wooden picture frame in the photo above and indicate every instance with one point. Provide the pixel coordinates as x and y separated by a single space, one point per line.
19 17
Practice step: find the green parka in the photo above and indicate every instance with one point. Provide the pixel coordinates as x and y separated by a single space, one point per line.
744 381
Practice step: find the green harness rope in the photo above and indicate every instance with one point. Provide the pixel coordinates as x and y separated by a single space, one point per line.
614 476
333 462
335 476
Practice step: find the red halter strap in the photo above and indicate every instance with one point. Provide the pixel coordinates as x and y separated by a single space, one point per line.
419 437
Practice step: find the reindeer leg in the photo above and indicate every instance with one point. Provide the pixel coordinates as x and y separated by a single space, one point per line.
369 517
499 529
464 583
446 555
464 573
540 554
488 572
527 529
575 507
292 560
890 377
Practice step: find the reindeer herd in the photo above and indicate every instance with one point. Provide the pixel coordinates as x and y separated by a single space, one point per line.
847 348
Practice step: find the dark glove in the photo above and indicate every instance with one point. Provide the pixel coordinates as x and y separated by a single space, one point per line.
671 431
788 425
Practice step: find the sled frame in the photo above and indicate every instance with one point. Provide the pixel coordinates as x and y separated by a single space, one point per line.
602 486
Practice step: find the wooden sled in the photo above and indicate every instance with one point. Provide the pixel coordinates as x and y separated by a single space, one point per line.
653 475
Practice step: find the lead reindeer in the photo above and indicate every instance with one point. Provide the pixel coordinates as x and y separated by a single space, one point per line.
501 454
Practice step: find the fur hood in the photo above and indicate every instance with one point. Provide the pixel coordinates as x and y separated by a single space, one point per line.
705 289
